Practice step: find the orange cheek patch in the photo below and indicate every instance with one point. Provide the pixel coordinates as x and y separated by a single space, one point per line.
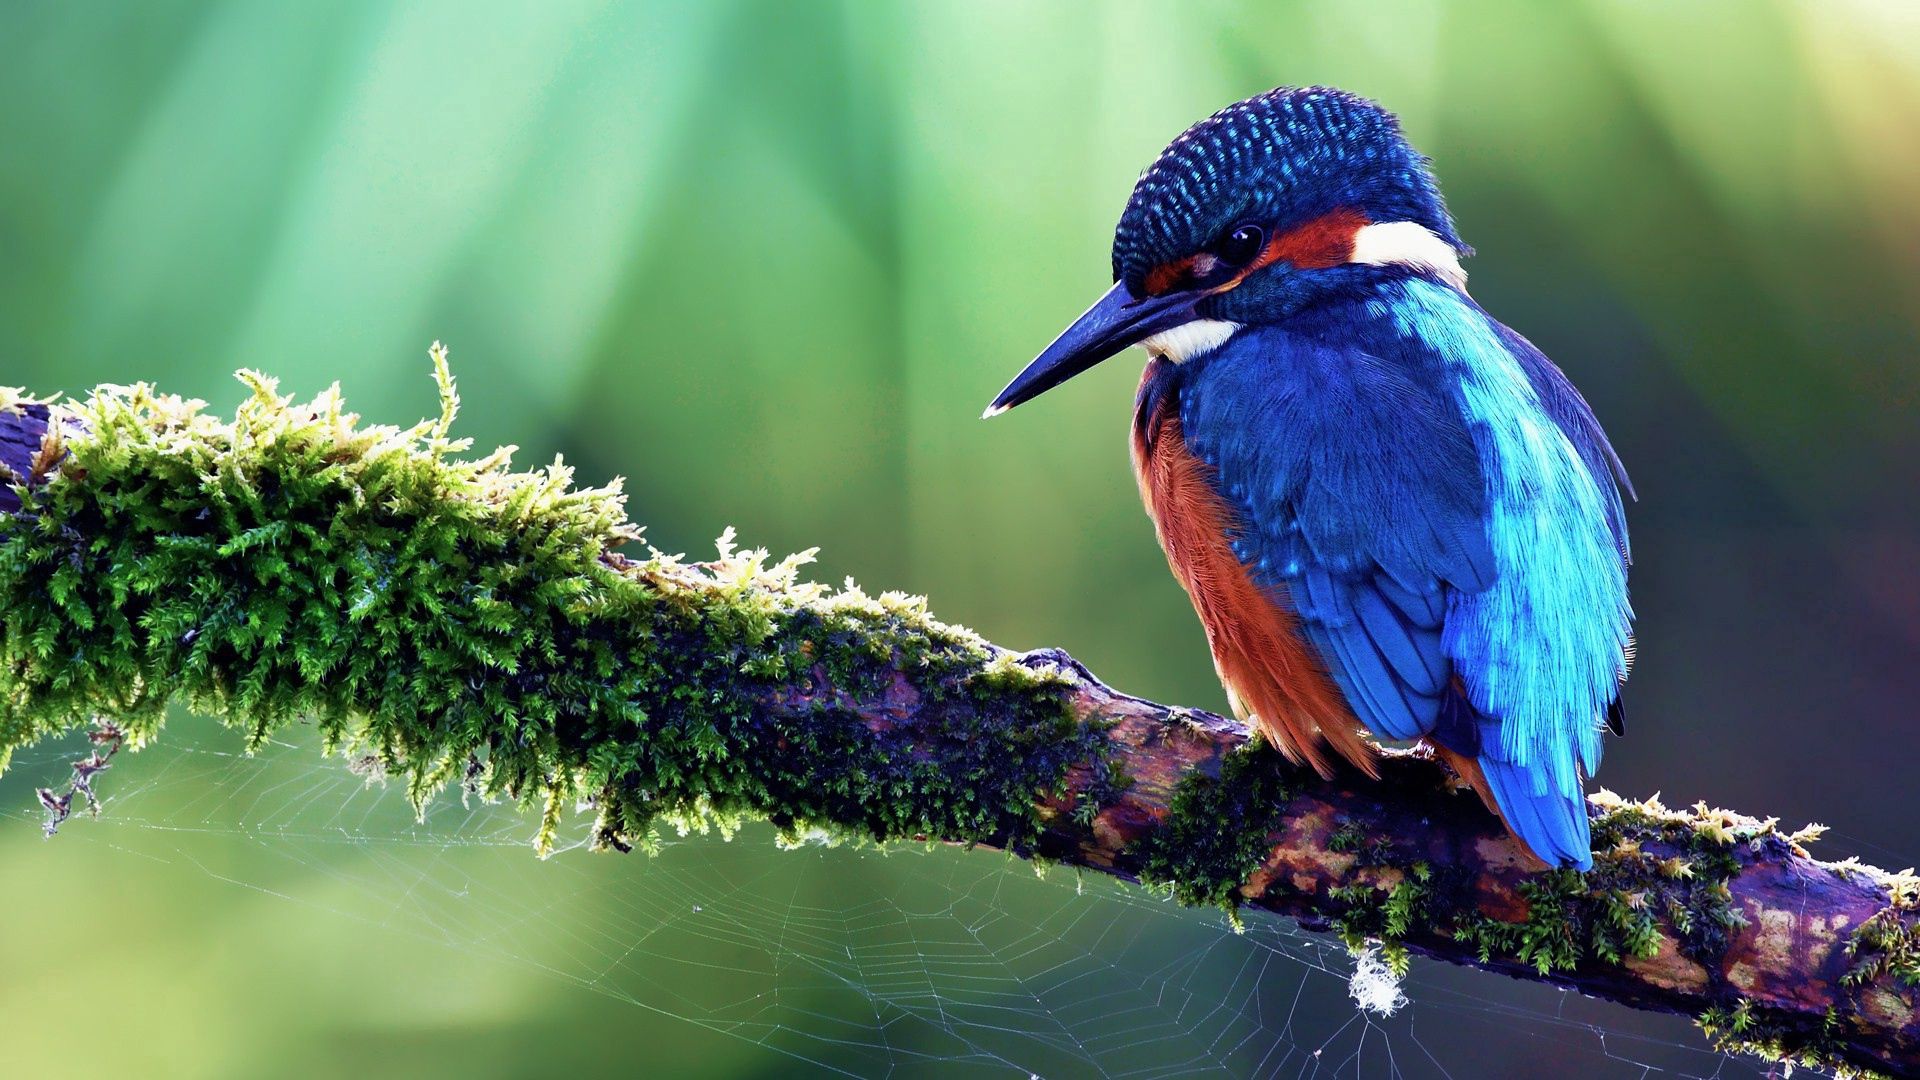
1325 241
1161 279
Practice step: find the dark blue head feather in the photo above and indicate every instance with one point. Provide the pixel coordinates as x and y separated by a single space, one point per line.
1280 159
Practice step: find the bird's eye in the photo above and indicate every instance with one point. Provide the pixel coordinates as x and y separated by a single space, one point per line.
1239 247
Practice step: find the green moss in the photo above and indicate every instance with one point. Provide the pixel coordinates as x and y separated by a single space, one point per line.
1384 915
452 620
1656 872
1884 947
1743 1028
1351 839
1888 943
1348 838
1551 939
1218 829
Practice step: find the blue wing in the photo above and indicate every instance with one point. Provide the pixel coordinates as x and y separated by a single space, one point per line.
1438 505
1361 495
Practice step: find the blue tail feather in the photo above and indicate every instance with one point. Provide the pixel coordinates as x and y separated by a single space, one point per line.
1551 821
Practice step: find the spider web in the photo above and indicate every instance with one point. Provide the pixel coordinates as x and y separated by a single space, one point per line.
904 962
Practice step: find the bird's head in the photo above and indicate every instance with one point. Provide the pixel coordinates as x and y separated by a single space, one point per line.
1250 216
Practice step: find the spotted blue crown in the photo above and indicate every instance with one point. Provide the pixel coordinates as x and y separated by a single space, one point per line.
1282 158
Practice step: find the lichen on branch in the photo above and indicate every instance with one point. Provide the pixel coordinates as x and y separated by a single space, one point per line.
461 621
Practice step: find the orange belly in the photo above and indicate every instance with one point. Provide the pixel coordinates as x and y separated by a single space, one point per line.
1272 675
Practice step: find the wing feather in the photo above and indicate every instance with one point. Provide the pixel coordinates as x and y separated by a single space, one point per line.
1366 509
1394 467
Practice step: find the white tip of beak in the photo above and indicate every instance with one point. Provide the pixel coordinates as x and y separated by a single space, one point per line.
993 411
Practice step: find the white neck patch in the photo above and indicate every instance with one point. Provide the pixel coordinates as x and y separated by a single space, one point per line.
1408 243
1188 340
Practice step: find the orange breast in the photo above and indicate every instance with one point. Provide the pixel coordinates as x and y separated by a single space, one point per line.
1273 677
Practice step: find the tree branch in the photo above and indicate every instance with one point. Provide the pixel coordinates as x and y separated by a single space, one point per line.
469 624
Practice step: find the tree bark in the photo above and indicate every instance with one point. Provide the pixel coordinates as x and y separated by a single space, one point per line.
1702 912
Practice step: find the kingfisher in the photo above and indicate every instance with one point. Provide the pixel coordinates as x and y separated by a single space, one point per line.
1394 515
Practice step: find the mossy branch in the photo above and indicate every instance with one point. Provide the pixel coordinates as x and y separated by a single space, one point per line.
463 623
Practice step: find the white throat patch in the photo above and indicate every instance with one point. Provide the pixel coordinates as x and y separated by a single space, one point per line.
1188 340
1409 243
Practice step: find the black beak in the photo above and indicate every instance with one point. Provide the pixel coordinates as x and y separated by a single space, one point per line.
1114 322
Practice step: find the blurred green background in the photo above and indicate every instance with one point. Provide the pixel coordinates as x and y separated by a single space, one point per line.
767 260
